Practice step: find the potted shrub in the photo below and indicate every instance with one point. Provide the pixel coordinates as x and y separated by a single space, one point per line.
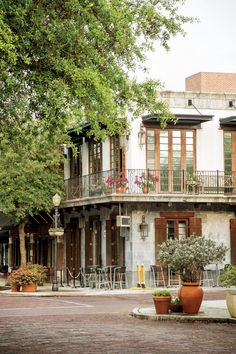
189 256
14 280
161 299
228 279
175 305
28 277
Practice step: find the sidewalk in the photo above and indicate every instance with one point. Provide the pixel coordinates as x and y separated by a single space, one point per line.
211 310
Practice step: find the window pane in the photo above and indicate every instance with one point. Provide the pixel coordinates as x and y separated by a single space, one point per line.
170 230
182 229
176 133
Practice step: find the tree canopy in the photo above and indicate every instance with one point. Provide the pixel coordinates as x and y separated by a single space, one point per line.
30 171
66 62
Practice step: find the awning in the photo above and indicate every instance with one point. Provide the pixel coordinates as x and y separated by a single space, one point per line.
228 121
182 119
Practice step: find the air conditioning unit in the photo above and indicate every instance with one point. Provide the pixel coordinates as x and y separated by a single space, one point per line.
123 221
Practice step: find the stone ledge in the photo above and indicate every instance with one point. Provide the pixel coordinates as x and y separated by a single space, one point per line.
149 314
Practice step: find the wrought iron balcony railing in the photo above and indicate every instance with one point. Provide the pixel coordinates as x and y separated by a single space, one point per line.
150 181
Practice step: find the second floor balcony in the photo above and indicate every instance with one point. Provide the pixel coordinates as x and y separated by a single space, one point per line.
154 185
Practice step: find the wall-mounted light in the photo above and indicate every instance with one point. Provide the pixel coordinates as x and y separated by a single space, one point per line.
143 228
190 103
142 135
232 104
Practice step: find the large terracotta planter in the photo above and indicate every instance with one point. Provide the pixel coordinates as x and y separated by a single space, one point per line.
29 287
190 295
145 190
231 304
162 304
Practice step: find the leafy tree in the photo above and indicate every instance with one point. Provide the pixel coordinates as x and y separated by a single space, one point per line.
29 174
71 61
64 63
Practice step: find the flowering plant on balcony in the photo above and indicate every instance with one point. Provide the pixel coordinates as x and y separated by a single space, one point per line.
109 182
146 181
122 182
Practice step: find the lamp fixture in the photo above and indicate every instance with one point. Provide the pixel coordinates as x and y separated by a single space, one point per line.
142 135
190 103
232 104
56 199
143 228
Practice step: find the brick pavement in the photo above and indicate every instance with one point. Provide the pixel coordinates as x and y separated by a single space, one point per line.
105 327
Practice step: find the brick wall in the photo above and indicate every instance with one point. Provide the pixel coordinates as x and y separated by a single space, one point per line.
211 82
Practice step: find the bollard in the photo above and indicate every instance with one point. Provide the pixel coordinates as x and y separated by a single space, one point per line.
138 276
142 276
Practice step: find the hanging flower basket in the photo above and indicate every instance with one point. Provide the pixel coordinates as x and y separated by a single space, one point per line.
53 231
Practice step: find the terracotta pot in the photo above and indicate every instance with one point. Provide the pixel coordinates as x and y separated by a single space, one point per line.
162 304
107 191
15 288
231 304
190 295
29 287
145 189
121 190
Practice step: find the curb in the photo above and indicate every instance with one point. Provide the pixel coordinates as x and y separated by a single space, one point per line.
140 314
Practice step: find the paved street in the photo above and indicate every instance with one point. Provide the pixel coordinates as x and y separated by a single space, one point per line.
101 324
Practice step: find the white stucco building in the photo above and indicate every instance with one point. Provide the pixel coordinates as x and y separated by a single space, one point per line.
191 167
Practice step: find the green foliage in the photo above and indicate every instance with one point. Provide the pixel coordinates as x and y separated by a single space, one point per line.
161 293
69 62
30 170
190 255
175 301
228 278
31 273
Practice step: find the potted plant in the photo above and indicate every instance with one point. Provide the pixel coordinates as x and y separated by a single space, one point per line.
162 299
14 280
146 182
56 231
121 184
108 184
28 277
228 279
175 305
189 256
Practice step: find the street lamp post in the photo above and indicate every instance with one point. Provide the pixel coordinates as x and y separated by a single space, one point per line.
56 199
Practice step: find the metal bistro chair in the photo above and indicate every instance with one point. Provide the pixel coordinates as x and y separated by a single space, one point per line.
173 278
157 275
89 277
210 275
103 278
120 278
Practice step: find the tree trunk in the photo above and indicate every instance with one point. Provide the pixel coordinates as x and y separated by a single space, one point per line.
22 243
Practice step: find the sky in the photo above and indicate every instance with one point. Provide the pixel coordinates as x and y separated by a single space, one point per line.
209 45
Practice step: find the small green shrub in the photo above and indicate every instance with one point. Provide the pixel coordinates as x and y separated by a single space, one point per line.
161 293
175 301
228 278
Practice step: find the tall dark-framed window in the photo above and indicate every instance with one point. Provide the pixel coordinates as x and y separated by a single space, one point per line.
95 157
228 152
115 153
171 151
76 162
